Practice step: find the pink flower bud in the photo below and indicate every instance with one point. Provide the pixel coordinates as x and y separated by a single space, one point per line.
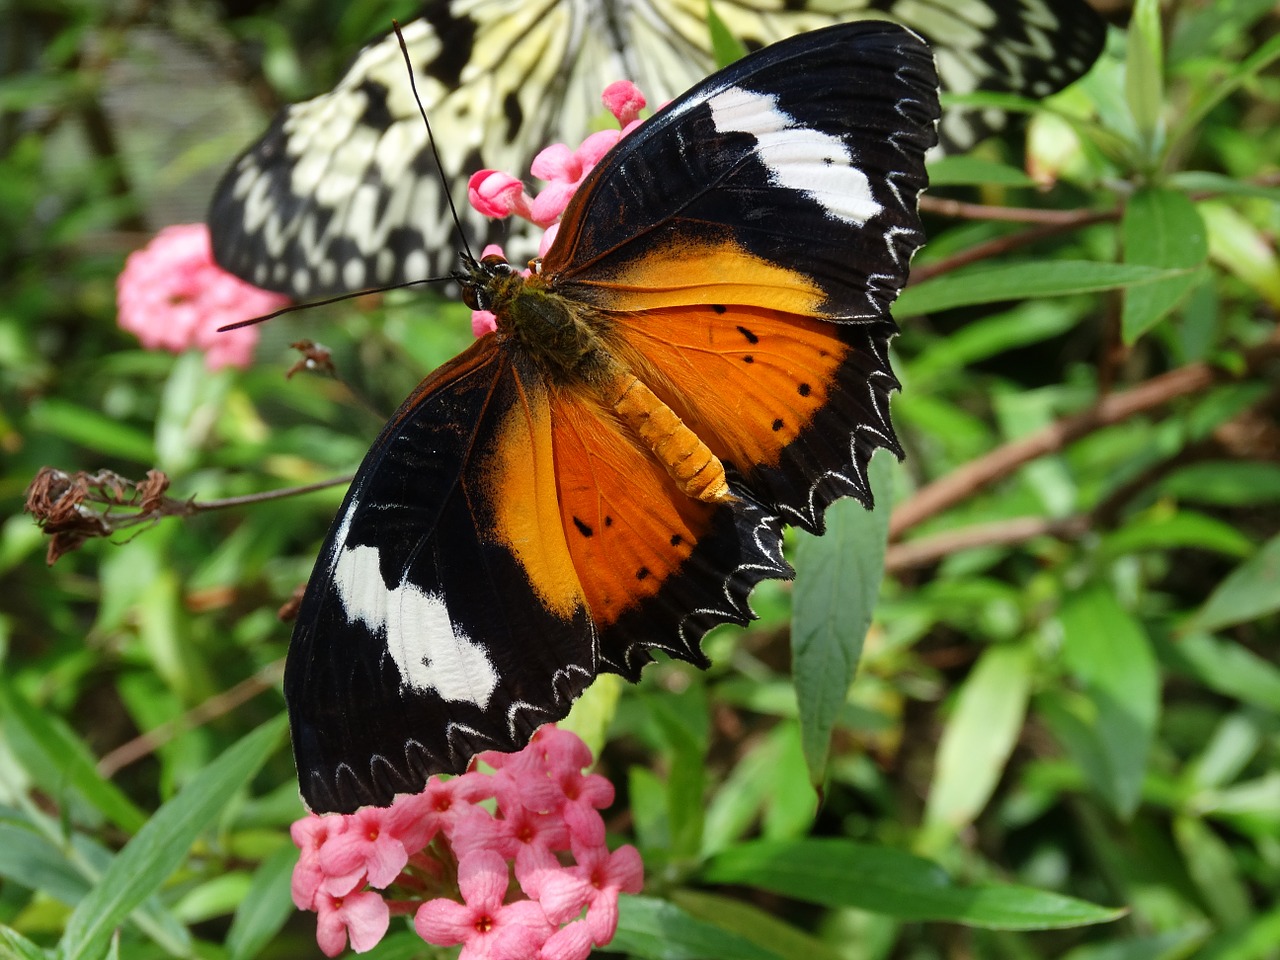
624 100
497 194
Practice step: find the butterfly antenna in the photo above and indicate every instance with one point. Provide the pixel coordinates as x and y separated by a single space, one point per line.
295 307
431 139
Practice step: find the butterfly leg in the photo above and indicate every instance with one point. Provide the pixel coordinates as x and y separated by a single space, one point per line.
689 461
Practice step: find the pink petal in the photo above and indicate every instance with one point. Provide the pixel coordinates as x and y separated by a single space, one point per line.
483 323
625 869
595 147
368 917
496 194
550 203
556 163
444 922
570 942
563 894
520 930
602 917
482 879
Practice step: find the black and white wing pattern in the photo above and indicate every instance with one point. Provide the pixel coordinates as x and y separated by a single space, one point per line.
342 193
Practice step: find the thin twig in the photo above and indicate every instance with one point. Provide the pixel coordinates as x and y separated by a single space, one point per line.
1000 533
968 479
216 706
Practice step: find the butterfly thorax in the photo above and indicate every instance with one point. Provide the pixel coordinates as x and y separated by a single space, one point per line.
563 337
567 340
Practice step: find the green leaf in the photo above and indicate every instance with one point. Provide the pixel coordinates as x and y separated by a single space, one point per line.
15 946
1231 669
754 924
965 170
841 873
591 714
57 759
1250 591
1214 869
1161 530
837 584
1173 945
163 842
266 907
980 736
1144 76
1161 228
725 47
1231 483
658 930
1237 245
1111 657
91 429
1020 281
31 860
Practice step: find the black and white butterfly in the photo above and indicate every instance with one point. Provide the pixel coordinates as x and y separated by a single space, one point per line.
342 193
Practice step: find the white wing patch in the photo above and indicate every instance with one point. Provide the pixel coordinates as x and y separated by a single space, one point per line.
798 157
431 653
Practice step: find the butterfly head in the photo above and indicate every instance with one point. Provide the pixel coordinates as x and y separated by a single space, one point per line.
486 282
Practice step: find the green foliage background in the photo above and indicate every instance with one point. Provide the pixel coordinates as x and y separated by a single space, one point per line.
1062 741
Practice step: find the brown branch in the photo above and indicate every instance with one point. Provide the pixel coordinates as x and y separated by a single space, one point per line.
946 207
216 706
968 479
1001 533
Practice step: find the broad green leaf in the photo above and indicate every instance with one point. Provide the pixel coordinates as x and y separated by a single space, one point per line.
91 429
1173 945
1238 246
979 736
1255 940
725 47
1214 869
966 169
31 860
985 337
1206 181
1250 591
163 842
686 780
791 803
659 930
266 908
1231 669
1161 228
14 946
754 924
837 584
841 873
1107 651
1021 281
1161 530
57 759
1228 483
1144 76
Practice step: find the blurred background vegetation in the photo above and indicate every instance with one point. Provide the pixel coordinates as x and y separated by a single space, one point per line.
1071 682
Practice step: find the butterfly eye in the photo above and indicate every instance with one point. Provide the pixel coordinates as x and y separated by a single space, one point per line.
473 296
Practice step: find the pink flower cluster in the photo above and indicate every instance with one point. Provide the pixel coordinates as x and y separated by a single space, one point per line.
174 297
545 828
500 195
